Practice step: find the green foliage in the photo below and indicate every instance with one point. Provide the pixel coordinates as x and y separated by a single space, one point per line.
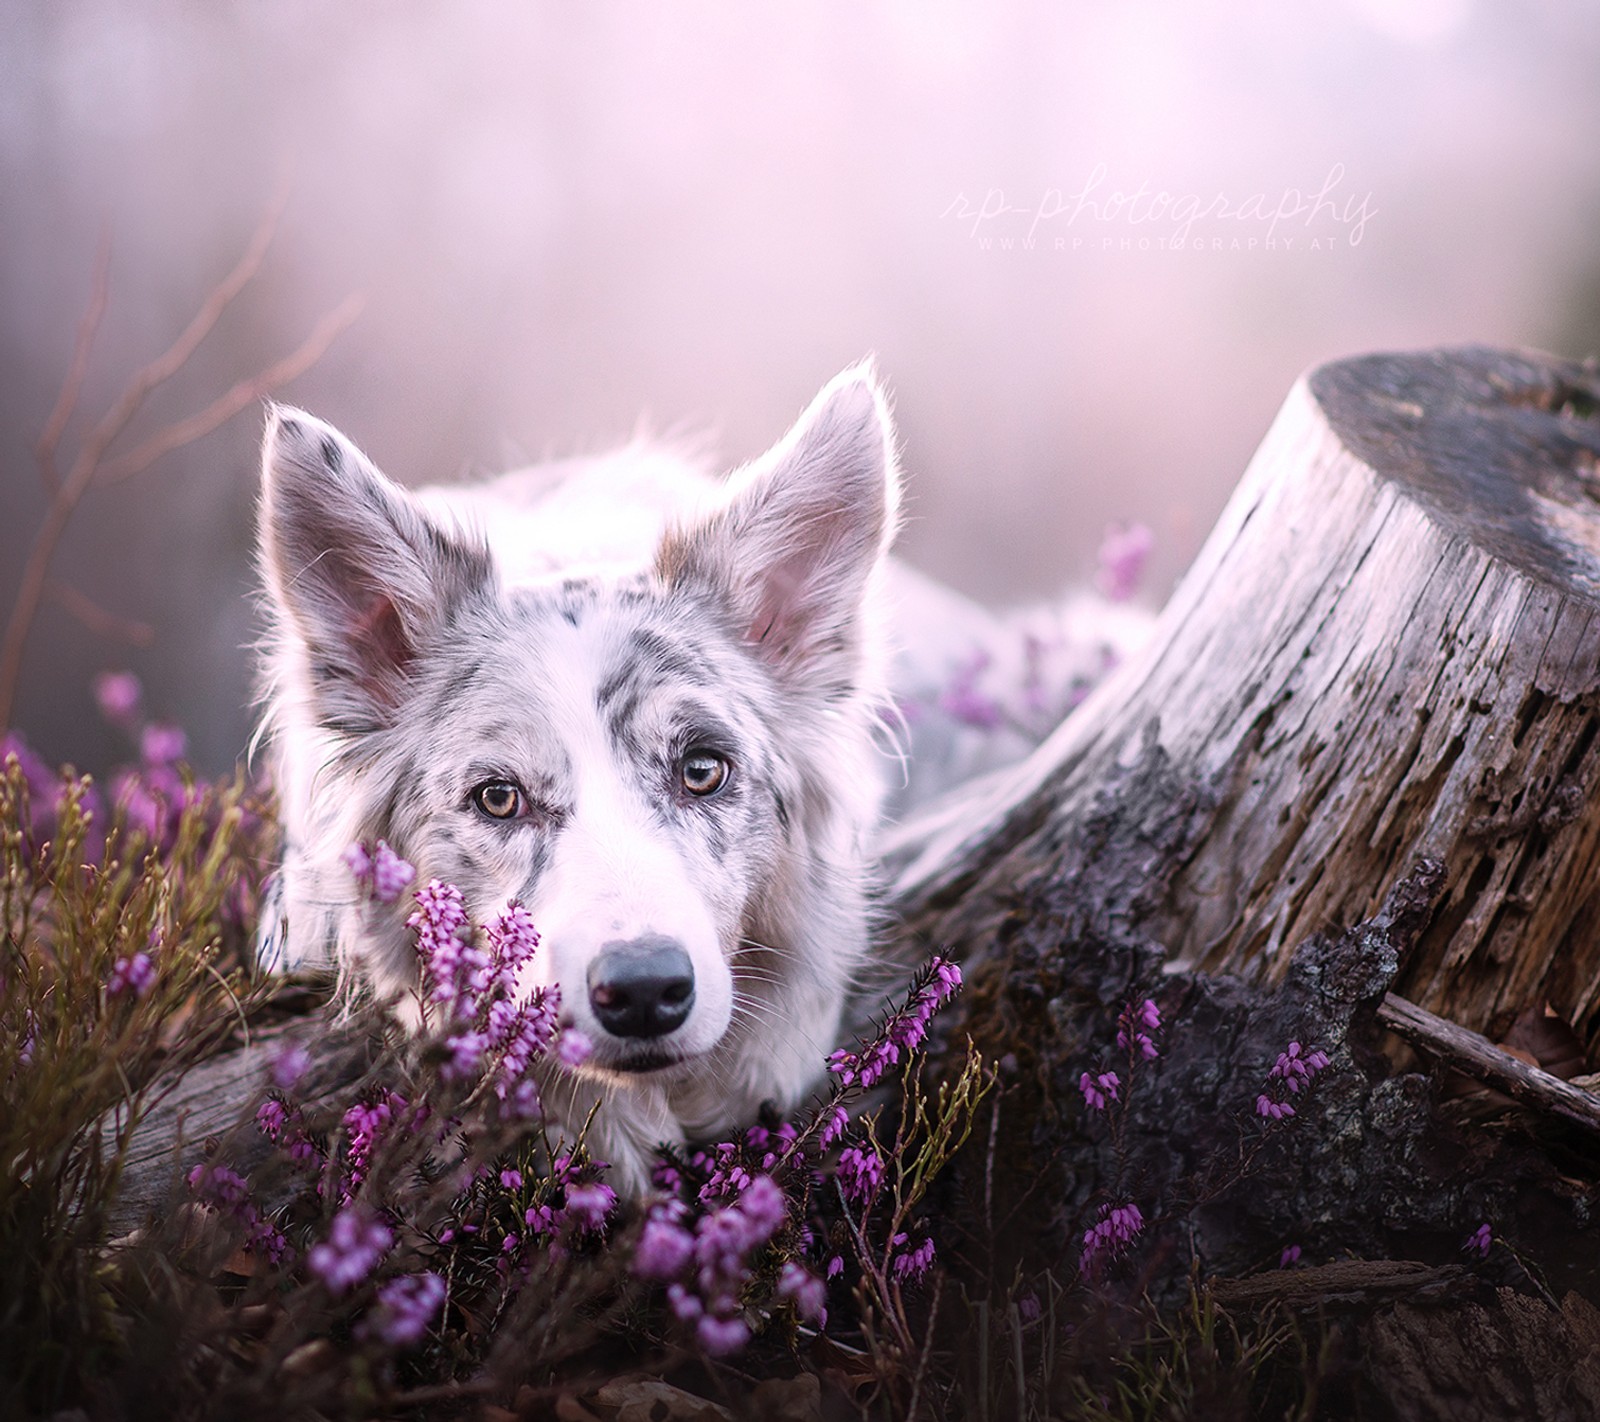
80 1063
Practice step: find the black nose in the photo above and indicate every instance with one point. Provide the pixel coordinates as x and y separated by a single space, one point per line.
641 988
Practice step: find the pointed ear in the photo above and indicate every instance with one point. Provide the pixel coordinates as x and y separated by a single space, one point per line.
794 548
359 577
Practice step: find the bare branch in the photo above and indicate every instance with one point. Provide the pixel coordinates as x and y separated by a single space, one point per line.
67 401
243 394
1479 1058
97 619
89 463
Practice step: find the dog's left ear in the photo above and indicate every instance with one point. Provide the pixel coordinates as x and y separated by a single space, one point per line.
794 548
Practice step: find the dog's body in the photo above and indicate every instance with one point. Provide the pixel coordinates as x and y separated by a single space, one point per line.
639 704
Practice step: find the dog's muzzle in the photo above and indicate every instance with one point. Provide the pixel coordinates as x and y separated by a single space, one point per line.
641 987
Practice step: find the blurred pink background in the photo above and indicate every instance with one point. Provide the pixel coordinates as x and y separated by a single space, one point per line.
564 219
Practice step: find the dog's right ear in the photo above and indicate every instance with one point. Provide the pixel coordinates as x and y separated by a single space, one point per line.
359 577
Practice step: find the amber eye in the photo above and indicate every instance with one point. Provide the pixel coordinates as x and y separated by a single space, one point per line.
499 799
703 772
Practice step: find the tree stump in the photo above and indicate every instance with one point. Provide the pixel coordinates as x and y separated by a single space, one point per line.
1387 652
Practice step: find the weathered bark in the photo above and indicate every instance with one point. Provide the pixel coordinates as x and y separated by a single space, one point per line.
1387 651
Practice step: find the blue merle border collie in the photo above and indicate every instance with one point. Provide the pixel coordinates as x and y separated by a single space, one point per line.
639 703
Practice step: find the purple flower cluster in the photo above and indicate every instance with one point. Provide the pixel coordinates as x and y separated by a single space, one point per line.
1098 1089
120 698
1109 1236
904 1030
1294 1070
290 1064
1290 1257
226 1191
808 1293
908 1265
451 964
715 1257
859 1173
366 1125
355 1244
1480 1241
1137 1027
488 1028
962 701
379 871
134 975
587 1204
1123 553
405 1308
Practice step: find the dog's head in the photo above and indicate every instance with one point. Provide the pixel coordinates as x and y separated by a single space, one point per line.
672 768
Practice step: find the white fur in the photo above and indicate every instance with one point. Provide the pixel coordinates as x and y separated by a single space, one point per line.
571 629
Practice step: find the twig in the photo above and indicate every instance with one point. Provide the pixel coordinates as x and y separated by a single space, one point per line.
1479 1058
244 394
90 465
97 619
67 401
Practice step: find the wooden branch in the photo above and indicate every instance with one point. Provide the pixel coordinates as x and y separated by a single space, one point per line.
83 346
1476 1056
240 396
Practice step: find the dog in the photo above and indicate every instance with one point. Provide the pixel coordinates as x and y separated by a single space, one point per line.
644 706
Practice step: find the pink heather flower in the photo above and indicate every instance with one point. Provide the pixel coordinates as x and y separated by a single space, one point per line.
162 745
523 1103
118 695
543 1220
136 975
355 1244
1136 1029
663 1250
358 860
450 967
835 1266
684 1304
1289 1257
859 1173
837 1122
365 1125
809 1293
511 1179
1480 1241
465 1055
1097 1090
588 1206
963 702
1273 1110
221 1187
513 938
406 1307
721 1336
573 1048
764 1205
391 875
1110 1235
909 1265
271 1118
289 1066
1296 1068
1123 552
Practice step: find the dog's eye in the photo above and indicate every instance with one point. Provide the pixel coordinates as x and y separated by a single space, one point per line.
499 799
703 772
